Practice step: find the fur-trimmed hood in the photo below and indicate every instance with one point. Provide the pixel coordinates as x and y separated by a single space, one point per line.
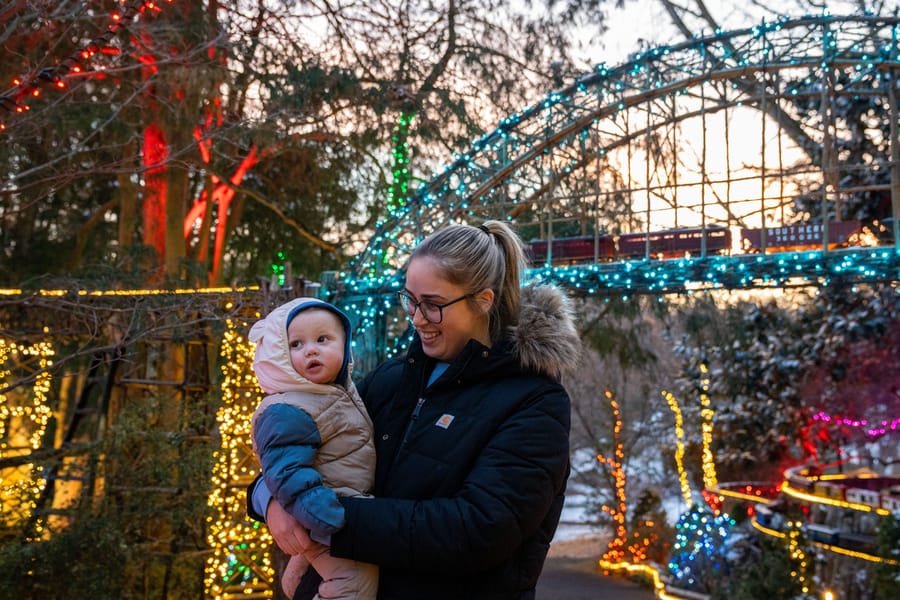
545 339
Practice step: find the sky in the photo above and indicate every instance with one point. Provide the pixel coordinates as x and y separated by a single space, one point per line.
647 21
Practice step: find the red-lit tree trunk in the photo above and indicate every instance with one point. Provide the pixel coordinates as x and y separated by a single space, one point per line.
177 83
154 156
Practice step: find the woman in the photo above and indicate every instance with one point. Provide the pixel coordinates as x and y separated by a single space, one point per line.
471 430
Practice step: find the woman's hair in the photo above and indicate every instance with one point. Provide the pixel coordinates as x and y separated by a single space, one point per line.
477 258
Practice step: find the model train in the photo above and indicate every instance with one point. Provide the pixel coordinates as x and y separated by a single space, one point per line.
861 487
711 240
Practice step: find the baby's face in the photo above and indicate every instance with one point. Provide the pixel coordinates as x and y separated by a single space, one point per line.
316 341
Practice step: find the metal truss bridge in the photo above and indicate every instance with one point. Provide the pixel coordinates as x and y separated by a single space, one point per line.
756 129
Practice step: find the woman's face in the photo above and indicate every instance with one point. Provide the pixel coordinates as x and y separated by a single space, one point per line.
461 321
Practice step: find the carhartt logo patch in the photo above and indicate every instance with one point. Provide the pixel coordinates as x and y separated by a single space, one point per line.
445 421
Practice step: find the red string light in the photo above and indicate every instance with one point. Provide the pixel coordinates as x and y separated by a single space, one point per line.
13 100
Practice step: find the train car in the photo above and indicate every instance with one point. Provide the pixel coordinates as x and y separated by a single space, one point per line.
821 533
810 236
767 517
862 496
572 250
890 499
857 542
675 243
678 243
891 503
828 490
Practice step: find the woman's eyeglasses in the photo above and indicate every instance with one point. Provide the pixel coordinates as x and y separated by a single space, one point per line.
433 313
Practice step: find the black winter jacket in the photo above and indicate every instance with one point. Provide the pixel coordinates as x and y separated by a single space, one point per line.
470 471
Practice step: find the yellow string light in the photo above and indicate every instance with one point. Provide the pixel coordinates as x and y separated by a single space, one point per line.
767 530
857 554
798 555
643 569
138 292
240 565
679 447
710 480
756 498
23 420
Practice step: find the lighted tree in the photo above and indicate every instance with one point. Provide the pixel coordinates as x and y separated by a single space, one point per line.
640 533
650 535
616 549
698 561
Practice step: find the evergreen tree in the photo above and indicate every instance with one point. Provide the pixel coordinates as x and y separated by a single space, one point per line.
759 567
886 575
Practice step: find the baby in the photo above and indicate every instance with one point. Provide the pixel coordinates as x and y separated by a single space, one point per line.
312 435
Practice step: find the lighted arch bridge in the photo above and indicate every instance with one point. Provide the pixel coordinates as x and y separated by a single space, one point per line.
762 157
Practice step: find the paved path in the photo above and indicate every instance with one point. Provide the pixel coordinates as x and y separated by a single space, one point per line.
565 578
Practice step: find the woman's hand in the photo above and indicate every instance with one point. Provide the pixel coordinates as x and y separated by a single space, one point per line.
290 535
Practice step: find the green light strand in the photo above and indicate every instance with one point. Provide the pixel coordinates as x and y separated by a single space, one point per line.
399 188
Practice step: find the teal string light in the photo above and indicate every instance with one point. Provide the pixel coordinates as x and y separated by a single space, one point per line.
371 300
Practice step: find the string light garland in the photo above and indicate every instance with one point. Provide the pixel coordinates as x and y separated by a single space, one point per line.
788 489
134 292
679 448
78 63
278 269
24 419
710 480
757 493
797 552
828 547
399 188
873 430
616 548
690 275
240 565
768 530
371 297
640 569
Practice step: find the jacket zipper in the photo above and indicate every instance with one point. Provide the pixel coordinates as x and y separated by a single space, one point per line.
412 420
